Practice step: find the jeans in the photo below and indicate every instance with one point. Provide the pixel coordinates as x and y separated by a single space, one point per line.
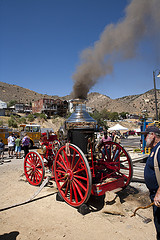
26 150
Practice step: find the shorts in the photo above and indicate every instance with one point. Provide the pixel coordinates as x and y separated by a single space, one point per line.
18 149
11 148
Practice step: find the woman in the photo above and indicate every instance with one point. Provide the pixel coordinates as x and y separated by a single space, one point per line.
25 144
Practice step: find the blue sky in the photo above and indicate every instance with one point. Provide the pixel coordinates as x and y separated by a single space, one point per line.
41 42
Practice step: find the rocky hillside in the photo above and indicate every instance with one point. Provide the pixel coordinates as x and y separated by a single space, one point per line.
10 92
134 104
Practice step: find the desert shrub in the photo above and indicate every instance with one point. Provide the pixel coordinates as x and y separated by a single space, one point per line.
30 118
43 116
12 123
11 103
22 120
1 122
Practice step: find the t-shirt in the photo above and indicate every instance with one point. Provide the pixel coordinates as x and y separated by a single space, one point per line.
11 141
18 142
149 172
25 141
104 140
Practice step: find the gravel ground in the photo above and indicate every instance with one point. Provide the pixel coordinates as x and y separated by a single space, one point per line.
44 218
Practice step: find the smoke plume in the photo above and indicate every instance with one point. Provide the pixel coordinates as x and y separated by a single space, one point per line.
117 42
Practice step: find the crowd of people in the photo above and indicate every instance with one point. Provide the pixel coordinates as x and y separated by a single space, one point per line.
15 146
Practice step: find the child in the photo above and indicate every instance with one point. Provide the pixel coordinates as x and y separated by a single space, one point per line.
18 147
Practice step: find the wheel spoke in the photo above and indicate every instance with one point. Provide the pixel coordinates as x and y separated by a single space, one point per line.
78 189
123 167
80 170
80 184
66 191
61 178
29 161
80 177
75 193
29 170
71 192
66 158
75 167
61 165
73 159
62 160
60 171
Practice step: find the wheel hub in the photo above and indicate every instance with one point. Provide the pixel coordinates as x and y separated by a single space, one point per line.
33 167
69 174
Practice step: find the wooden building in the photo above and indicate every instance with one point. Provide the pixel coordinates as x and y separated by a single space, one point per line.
50 107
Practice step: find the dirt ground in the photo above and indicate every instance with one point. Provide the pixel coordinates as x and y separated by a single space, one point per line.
44 218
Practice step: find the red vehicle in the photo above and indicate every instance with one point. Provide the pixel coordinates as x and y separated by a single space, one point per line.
78 168
131 132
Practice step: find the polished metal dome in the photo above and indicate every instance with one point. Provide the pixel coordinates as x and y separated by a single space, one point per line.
80 115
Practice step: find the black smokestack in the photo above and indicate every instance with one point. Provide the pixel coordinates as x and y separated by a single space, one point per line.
117 42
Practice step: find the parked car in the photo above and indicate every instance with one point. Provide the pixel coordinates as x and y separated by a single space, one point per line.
131 132
126 134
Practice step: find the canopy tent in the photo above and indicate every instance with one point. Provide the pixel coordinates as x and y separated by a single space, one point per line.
137 130
117 127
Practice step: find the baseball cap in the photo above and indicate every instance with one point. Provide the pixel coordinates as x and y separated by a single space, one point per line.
151 129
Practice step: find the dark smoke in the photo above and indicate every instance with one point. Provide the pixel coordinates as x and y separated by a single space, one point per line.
117 42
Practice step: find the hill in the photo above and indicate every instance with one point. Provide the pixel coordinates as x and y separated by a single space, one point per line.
134 104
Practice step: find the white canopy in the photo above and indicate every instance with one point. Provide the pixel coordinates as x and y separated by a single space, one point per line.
117 127
137 130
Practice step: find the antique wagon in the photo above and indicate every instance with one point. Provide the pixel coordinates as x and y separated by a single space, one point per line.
77 167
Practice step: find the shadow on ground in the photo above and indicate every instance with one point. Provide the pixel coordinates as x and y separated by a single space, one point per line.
9 236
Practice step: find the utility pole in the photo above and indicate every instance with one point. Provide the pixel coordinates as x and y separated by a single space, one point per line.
155 94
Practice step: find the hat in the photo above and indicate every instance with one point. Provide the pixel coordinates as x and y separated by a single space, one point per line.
151 129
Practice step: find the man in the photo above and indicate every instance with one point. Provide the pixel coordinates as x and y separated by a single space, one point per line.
115 137
105 138
151 176
11 142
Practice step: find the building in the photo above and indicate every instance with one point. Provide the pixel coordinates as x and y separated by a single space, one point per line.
3 106
22 108
50 107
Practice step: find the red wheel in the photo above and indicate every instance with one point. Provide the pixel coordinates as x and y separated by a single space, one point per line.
34 168
117 161
72 175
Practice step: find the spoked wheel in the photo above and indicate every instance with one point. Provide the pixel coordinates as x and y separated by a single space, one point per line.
34 168
117 161
72 175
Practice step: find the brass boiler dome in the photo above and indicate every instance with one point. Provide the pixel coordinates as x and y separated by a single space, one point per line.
80 118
